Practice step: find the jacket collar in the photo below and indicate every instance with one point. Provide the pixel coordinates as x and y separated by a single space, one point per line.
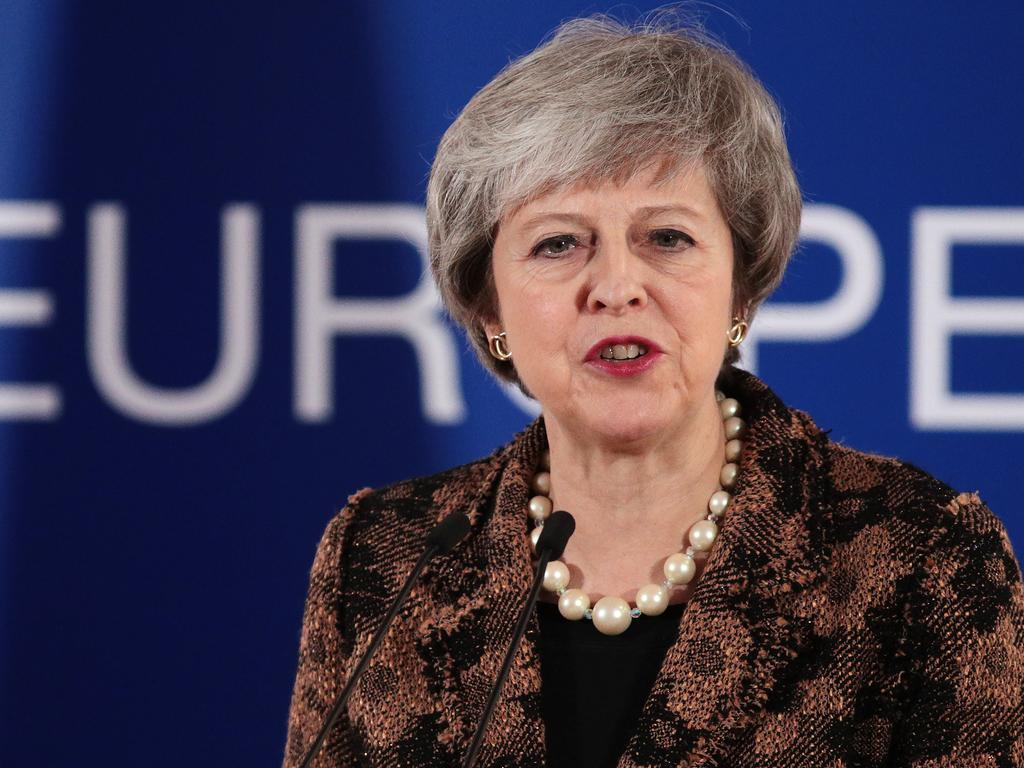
737 632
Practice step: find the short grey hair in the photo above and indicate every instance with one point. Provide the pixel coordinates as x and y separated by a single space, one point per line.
600 100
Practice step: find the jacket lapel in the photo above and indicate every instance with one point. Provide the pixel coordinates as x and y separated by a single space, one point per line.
736 638
738 634
484 587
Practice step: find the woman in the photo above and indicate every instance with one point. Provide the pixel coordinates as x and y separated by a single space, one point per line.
605 217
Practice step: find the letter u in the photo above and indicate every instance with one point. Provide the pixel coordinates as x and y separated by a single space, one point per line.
239 323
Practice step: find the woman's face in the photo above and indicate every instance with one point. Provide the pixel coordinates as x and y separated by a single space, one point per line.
639 270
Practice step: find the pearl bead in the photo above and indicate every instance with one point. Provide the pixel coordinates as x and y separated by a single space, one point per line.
534 538
733 448
611 615
718 502
728 475
734 427
540 507
729 407
652 599
573 604
556 576
679 568
702 535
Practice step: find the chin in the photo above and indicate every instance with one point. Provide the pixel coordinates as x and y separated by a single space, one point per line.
619 416
628 424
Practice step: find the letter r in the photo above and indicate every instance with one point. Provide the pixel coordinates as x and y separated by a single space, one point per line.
415 316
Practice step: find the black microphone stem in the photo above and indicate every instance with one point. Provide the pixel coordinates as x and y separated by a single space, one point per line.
353 678
517 636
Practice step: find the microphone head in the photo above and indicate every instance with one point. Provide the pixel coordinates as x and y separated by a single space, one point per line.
555 534
449 532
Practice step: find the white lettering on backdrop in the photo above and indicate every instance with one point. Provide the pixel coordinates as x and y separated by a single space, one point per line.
239 323
936 314
849 308
28 307
415 317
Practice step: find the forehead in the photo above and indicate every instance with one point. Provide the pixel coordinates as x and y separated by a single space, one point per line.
656 186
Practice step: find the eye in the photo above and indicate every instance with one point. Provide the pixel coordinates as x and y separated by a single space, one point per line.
555 246
670 238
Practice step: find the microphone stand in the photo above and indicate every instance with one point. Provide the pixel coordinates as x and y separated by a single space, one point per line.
442 538
561 528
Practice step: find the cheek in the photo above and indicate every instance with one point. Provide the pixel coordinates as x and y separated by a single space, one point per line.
540 329
700 315
535 311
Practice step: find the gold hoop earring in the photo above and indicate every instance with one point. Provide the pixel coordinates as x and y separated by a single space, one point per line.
738 331
499 347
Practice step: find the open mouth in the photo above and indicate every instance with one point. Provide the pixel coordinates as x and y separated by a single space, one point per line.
615 352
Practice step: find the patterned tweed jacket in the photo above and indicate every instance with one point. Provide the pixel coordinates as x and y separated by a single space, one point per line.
854 612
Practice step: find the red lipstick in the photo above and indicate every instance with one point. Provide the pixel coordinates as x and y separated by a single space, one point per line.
632 367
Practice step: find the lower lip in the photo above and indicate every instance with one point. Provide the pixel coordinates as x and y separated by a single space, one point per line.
625 367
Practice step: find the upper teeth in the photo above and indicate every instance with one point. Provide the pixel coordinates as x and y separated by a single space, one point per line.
623 351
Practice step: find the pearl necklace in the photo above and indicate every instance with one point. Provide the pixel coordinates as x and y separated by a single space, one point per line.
613 615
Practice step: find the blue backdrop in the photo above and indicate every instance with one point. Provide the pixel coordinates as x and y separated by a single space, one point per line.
210 280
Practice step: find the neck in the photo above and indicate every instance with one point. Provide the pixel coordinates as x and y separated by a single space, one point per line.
634 502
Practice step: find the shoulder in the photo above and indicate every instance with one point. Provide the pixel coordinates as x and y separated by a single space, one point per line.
904 510
893 491
427 498
791 447
928 578
947 551
896 485
388 520
369 546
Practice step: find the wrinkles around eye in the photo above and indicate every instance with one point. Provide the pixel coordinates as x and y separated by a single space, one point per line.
558 245
664 239
671 238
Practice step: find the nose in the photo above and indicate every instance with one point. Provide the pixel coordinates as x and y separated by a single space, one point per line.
616 280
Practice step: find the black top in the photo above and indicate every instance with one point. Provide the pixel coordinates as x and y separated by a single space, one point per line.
589 713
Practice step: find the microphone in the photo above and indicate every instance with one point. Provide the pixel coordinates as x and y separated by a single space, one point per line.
550 545
442 538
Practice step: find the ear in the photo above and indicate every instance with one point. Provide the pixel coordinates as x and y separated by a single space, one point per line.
491 326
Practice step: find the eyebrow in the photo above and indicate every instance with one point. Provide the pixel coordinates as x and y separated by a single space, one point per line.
546 216
654 210
647 211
